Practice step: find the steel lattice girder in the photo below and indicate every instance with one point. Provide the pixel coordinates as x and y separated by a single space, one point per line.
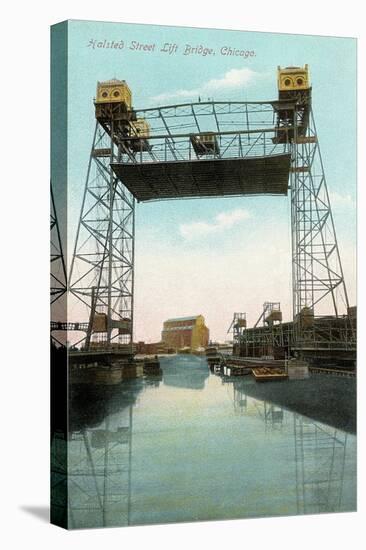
101 272
317 269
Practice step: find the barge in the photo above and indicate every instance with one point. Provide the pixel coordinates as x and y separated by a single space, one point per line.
265 374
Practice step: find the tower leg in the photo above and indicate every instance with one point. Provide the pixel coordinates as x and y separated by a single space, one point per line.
101 272
317 276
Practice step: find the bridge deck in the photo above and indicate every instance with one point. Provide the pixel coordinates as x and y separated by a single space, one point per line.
206 178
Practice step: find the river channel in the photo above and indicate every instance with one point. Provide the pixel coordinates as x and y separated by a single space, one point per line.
190 445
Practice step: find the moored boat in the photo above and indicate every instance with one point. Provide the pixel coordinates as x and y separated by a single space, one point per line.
265 374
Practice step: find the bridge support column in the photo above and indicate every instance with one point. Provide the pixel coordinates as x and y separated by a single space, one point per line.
102 267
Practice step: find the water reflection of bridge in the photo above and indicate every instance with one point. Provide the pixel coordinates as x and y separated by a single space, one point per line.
91 463
91 484
320 454
331 402
94 475
319 450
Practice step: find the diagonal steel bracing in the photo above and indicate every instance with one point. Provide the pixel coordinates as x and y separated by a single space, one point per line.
102 266
101 270
58 267
317 271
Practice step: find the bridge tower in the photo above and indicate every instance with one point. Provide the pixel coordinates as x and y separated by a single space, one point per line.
102 267
317 276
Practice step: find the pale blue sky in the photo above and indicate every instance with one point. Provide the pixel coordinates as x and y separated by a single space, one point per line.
332 63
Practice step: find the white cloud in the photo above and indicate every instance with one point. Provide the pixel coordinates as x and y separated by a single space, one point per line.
232 79
221 222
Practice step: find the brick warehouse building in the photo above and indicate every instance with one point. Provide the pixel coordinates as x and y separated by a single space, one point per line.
184 332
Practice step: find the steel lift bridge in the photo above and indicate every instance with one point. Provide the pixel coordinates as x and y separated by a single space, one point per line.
198 150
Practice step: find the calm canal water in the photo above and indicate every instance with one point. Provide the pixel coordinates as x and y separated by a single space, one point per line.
190 445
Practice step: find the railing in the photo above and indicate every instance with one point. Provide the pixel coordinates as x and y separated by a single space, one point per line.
178 147
242 129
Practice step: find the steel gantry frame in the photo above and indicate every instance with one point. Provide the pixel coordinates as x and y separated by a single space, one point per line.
102 267
101 274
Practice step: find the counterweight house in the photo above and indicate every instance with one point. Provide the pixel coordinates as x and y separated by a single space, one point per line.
185 332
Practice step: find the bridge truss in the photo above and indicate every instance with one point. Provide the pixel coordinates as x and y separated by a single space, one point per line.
261 148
